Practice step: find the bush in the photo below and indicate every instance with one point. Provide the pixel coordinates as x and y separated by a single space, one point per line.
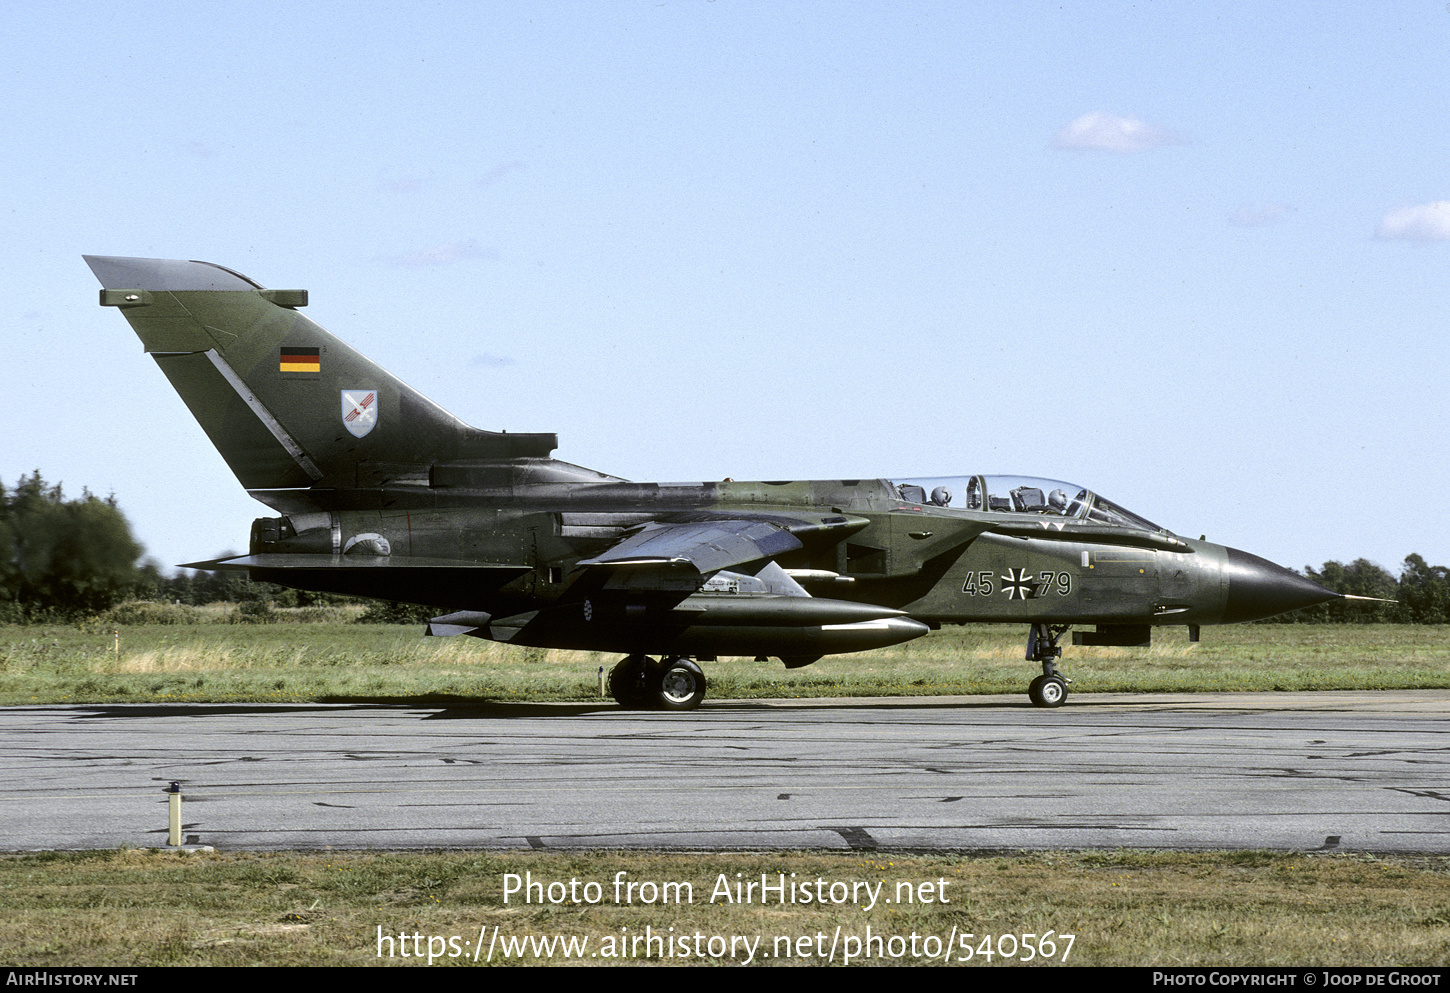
146 612
253 612
388 612
315 615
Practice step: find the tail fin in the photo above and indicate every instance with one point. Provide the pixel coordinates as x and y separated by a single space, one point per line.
287 404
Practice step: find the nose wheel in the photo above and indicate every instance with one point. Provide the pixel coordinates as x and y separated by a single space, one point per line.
1050 688
673 683
1047 691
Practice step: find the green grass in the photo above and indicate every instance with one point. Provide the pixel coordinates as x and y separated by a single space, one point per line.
148 908
225 662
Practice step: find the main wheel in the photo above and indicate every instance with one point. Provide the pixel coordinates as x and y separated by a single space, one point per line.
680 685
628 684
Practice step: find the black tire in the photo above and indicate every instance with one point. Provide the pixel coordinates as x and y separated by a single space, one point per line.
628 684
679 685
1052 692
1034 691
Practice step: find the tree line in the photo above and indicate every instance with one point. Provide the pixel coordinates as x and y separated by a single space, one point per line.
68 558
63 559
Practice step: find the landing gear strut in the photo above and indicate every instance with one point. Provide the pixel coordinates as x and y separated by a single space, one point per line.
673 683
1050 688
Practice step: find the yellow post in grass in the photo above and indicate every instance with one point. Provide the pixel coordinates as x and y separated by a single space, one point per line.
173 796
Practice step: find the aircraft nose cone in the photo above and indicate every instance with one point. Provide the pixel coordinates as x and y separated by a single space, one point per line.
1259 588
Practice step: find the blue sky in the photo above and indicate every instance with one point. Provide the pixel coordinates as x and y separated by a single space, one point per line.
1190 255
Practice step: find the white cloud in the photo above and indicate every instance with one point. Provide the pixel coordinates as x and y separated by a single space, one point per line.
1248 217
457 251
1103 132
1422 222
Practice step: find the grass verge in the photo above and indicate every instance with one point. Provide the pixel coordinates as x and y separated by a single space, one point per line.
145 908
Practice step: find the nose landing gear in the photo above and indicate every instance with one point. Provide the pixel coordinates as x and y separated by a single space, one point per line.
673 683
1050 688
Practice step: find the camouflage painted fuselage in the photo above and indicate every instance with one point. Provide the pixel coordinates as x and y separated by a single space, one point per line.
382 493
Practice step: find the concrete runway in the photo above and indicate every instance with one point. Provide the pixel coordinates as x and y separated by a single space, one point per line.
1289 771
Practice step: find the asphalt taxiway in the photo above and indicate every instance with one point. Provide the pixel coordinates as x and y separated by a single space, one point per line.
1290 771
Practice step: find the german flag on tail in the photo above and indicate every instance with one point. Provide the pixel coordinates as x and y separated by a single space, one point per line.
300 359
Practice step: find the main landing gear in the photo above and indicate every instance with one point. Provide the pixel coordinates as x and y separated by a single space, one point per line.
1050 688
672 683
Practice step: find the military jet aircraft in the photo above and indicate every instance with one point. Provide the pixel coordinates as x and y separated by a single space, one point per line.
382 493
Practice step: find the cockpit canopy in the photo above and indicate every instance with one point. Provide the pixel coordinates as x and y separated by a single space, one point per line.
1020 495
